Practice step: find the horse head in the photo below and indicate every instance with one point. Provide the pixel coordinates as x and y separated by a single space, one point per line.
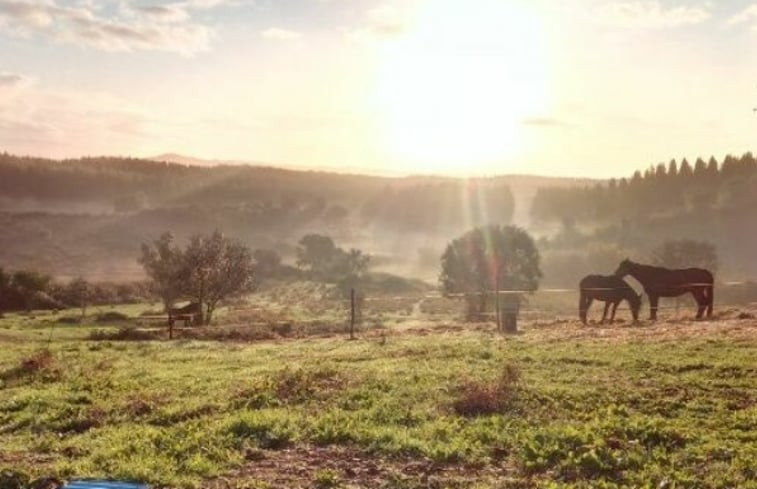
624 268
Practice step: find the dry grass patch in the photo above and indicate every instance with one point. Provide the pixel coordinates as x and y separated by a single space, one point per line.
477 398
40 365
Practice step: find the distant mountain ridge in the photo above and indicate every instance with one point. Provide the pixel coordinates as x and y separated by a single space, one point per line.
522 178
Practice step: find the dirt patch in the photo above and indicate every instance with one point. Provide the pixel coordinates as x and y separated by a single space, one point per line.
308 466
13 459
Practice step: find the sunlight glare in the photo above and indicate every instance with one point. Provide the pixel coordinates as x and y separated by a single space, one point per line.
455 90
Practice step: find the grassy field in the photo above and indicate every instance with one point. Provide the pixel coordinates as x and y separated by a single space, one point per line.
428 404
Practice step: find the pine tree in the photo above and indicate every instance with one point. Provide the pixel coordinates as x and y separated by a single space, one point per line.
729 167
700 167
673 169
685 170
712 167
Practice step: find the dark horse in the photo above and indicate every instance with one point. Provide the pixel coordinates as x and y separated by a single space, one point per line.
662 282
610 289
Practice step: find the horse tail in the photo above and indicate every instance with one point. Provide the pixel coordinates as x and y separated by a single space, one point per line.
582 303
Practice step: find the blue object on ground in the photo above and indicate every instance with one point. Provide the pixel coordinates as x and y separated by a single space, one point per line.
95 484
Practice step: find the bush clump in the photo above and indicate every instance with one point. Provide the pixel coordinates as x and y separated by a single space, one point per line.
267 430
110 316
478 398
40 365
123 334
69 320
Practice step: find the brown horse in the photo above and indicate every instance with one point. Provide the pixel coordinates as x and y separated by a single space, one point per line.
610 289
663 282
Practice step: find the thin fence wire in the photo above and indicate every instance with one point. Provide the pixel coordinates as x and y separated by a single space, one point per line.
557 308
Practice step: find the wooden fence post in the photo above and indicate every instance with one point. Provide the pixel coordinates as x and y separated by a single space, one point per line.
352 313
498 305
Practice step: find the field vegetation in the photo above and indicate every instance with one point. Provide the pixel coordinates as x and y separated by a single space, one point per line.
417 401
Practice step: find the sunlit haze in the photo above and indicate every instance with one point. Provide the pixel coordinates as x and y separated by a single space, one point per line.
576 87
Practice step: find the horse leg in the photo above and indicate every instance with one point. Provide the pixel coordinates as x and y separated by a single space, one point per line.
604 313
710 299
614 308
653 302
583 306
701 299
587 305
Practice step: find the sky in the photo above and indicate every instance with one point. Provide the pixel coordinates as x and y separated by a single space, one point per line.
590 88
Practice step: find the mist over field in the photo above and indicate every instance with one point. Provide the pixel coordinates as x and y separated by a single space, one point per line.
87 217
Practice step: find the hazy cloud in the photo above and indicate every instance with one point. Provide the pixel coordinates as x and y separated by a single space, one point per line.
651 14
748 15
10 80
277 34
387 20
43 120
382 21
165 13
159 27
545 122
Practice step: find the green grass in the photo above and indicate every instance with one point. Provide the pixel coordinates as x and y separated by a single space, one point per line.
585 413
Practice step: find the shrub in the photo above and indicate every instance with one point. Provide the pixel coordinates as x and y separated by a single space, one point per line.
13 480
478 398
41 360
94 417
39 365
267 430
69 319
327 479
298 385
123 334
111 316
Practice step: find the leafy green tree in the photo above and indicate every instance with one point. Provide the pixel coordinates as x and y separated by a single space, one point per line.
486 257
5 282
316 252
216 268
78 293
685 253
319 255
267 262
352 270
163 261
31 286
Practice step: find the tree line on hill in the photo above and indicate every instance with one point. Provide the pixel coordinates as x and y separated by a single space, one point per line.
263 195
665 189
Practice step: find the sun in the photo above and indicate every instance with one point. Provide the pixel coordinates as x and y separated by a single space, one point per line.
454 91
